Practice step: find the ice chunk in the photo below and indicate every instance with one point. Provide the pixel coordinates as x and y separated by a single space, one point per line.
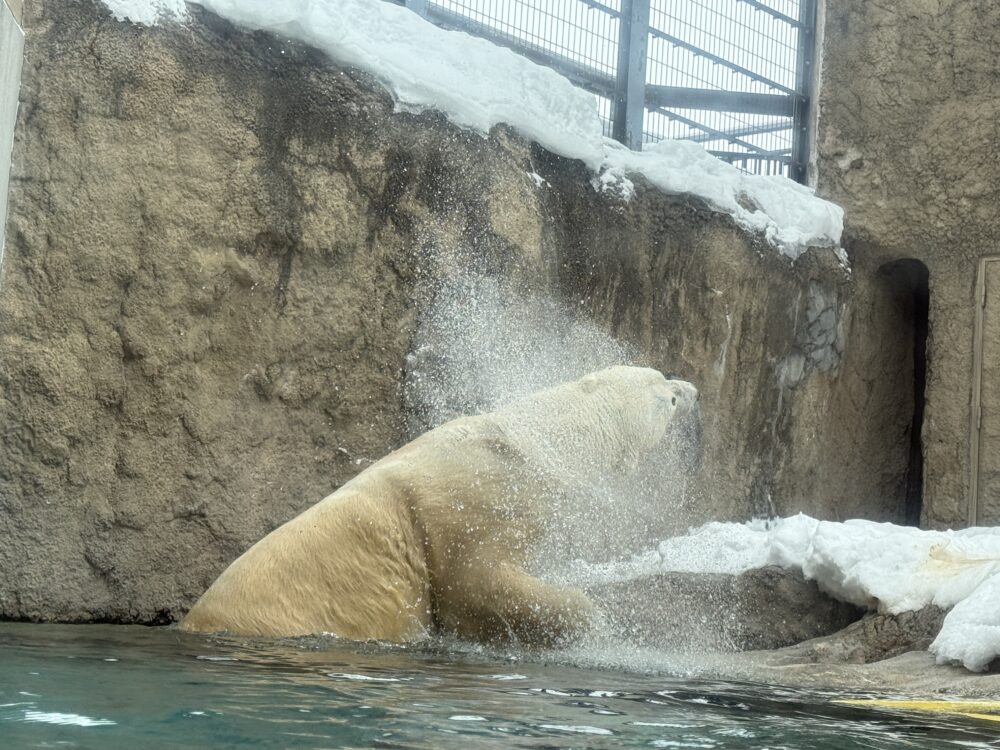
970 634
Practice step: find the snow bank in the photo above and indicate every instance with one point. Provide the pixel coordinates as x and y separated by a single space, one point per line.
478 85
876 565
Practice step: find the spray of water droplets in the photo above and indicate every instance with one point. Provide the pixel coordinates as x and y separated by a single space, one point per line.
481 344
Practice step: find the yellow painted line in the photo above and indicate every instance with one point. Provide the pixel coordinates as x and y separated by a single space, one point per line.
985 710
984 717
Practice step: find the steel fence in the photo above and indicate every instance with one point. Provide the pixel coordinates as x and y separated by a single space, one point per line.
731 75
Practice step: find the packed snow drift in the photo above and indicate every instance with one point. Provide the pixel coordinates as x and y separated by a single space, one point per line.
478 85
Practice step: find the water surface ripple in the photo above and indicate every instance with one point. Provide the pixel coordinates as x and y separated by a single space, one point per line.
113 687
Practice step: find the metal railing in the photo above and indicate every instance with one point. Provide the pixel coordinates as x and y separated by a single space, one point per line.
732 75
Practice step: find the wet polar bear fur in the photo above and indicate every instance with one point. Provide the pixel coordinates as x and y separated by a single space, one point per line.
436 534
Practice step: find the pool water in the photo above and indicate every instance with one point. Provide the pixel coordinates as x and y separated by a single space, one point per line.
113 687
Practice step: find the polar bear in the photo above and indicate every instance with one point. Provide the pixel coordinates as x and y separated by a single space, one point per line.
435 536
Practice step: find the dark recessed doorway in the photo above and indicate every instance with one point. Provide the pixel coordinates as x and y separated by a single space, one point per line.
907 282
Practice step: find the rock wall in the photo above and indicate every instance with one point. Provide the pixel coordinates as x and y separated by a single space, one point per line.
221 249
909 126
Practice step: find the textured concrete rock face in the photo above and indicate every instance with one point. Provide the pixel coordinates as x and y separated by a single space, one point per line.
873 638
219 251
908 130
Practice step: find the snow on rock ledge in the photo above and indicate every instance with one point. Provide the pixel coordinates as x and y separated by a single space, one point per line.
147 12
478 85
788 214
877 565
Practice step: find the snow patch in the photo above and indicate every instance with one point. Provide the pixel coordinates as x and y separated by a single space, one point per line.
148 12
614 183
880 566
478 85
537 180
970 633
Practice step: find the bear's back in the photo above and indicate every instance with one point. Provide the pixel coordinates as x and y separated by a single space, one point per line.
351 565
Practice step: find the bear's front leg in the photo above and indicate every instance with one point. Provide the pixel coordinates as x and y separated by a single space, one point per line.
499 602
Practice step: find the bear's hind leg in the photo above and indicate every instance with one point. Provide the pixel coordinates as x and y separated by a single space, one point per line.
502 603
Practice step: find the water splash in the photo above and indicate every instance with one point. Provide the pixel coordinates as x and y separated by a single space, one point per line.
484 342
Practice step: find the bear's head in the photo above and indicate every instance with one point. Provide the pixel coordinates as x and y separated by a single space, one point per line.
648 407
620 441
605 424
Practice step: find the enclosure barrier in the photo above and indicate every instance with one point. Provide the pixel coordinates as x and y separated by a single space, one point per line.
732 75
11 53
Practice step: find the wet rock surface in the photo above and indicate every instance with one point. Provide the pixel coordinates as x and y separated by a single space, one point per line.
874 637
913 673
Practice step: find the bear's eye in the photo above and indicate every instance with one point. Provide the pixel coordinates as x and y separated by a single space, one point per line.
673 400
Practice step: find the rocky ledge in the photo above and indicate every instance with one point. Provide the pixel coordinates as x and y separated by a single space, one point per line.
773 626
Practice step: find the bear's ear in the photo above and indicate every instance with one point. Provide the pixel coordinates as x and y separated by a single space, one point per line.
589 383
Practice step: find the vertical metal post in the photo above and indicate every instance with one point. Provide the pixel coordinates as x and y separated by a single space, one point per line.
805 74
630 92
418 6
976 415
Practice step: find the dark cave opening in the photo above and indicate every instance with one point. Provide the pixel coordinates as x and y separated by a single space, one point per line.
908 282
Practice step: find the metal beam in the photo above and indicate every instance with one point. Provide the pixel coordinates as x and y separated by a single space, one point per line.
775 127
719 134
782 155
11 62
630 93
595 5
720 101
976 415
772 12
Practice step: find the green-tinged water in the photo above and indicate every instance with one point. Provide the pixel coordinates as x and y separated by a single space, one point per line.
122 687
